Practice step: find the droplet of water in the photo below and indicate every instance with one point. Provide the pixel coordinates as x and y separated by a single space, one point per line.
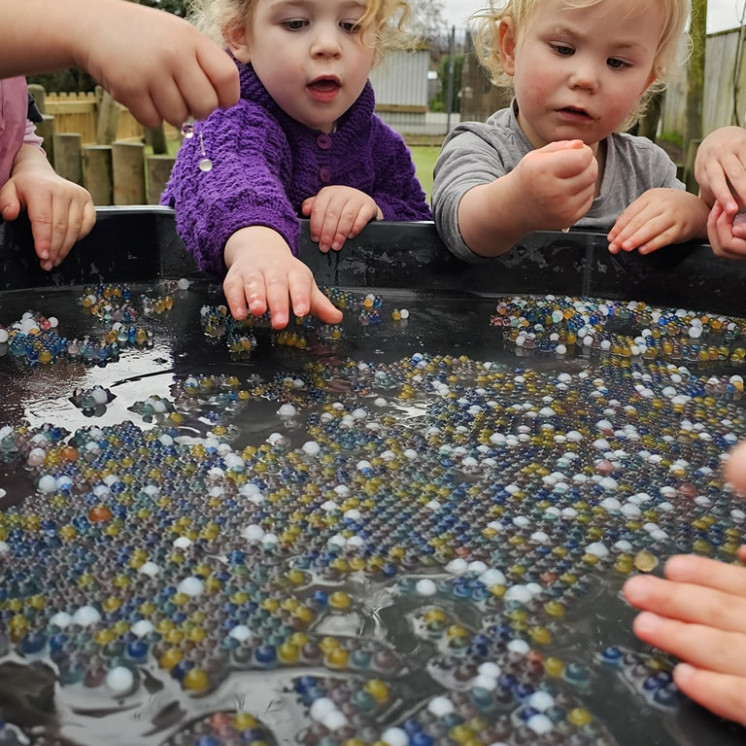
205 165
187 130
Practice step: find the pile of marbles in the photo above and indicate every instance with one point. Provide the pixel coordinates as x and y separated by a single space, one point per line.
563 325
406 560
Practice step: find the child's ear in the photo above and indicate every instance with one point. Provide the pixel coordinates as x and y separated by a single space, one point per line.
506 44
235 39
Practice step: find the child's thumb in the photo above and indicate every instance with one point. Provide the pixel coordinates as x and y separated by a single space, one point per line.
10 204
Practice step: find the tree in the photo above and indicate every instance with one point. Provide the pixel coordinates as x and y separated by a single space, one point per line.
695 87
427 18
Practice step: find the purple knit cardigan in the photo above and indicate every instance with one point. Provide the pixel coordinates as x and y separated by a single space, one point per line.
264 164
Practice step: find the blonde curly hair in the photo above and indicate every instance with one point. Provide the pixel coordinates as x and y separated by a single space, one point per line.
385 18
673 42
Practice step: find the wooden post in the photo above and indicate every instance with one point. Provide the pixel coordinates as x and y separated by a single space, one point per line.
156 138
45 130
97 173
128 169
159 169
40 96
108 119
67 162
691 154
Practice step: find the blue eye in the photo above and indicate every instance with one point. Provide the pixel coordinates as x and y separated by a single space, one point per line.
616 64
296 24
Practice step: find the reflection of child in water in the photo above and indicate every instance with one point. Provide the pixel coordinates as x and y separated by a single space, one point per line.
699 614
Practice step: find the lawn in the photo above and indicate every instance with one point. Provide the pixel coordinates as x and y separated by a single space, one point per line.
424 159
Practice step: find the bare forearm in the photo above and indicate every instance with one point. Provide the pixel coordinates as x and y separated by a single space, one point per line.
40 35
29 158
489 222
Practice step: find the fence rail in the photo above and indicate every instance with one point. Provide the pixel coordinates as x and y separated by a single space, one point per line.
95 142
79 112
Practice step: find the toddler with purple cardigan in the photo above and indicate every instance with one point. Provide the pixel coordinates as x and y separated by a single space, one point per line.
303 141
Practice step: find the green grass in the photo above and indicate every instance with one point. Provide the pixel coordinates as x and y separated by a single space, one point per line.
424 157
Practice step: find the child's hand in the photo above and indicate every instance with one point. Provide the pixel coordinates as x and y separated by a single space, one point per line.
658 218
557 183
157 65
550 189
699 615
264 275
60 211
720 168
338 213
726 233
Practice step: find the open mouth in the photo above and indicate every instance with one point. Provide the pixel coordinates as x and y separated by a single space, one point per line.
324 86
575 113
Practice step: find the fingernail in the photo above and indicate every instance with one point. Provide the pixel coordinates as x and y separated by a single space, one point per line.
684 671
647 622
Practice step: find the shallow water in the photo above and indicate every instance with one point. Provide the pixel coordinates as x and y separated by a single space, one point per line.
326 538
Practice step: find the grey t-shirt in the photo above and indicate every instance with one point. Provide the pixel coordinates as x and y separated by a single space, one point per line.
479 152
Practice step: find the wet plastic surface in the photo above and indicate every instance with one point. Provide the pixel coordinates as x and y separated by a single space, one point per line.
450 306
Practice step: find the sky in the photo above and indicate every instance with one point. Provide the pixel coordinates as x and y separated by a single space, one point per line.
721 14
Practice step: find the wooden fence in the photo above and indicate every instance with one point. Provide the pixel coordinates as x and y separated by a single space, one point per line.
94 141
724 100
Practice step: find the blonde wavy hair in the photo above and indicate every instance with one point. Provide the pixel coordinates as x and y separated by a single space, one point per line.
386 19
674 42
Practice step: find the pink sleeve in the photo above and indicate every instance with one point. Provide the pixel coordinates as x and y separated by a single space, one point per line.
30 137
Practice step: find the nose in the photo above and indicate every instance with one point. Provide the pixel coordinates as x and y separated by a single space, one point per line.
584 74
326 40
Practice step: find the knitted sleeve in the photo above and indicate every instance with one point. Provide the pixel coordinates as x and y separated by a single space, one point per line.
244 187
397 191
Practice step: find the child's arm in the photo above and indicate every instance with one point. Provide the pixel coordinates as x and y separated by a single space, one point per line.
699 615
338 213
153 62
658 218
60 211
550 188
721 164
264 275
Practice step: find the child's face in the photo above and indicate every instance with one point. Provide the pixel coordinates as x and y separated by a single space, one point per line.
579 72
309 55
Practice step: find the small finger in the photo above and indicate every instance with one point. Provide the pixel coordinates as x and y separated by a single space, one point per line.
235 296
720 693
277 301
697 644
323 308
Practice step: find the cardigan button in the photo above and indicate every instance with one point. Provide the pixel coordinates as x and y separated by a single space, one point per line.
324 141
325 174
